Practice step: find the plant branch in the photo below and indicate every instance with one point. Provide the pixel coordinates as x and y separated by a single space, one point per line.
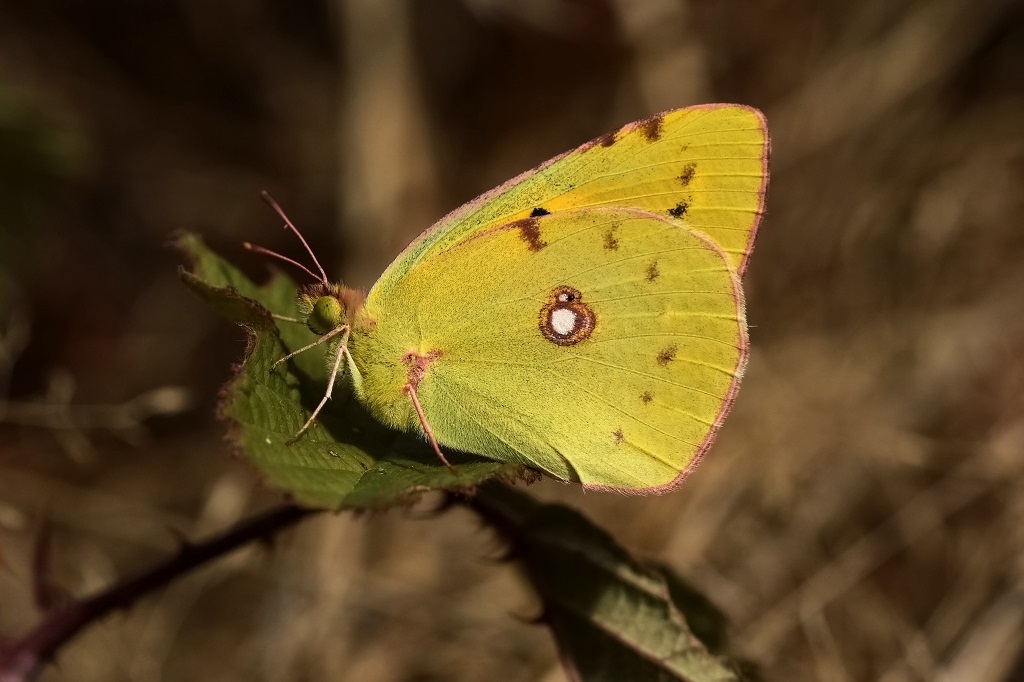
22 659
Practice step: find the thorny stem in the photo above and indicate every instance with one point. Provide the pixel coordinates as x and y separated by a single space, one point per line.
21 660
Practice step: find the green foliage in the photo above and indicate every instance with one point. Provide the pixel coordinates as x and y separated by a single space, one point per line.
346 460
614 618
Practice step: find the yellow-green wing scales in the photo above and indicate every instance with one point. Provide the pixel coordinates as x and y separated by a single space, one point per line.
602 345
706 166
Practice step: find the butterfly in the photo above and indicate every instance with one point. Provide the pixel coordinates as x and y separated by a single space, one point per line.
585 318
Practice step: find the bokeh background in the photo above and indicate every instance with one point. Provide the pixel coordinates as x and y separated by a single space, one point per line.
861 516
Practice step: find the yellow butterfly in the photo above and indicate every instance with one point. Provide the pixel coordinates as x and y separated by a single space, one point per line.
585 318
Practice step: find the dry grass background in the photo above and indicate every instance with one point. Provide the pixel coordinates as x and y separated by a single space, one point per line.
860 517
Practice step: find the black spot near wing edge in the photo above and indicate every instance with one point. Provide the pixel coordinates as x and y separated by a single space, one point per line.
679 210
651 127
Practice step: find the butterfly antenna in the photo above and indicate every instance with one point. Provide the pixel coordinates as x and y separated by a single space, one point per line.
288 223
275 254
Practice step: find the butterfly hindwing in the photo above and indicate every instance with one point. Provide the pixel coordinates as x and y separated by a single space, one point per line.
601 344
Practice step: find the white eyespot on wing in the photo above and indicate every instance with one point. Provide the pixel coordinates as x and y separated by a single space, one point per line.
563 321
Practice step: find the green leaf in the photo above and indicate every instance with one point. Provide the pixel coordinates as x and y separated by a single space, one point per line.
614 618
346 460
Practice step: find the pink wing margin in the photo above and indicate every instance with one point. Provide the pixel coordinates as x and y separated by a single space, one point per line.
762 191
727 401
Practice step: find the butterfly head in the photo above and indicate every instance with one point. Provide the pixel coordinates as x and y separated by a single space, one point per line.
325 307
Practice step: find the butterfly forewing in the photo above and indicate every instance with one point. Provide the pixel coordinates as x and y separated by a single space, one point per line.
706 166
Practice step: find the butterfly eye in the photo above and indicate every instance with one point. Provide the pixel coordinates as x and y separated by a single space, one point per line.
565 320
327 314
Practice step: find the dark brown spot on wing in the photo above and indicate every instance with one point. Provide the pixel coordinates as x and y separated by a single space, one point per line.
687 175
647 397
652 271
610 242
651 128
539 211
606 140
679 210
667 355
618 435
529 230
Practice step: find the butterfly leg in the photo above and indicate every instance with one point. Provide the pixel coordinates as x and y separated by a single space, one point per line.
286 318
342 350
326 337
411 391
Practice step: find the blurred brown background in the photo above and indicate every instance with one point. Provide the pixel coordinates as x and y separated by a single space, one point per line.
860 517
